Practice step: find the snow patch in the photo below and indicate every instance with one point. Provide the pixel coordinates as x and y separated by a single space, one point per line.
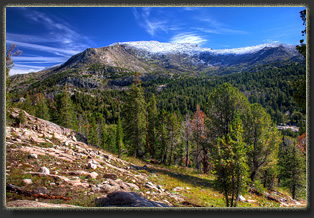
155 47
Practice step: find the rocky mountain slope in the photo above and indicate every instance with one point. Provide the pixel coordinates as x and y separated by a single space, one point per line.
114 66
51 166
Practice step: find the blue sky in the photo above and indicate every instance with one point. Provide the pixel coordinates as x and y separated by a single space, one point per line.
50 35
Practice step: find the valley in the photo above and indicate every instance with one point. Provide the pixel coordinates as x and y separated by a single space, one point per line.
150 124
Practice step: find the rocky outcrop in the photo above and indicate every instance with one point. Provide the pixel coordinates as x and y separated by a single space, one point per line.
126 199
44 126
48 152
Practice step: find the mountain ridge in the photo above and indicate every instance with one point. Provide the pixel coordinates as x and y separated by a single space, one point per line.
114 65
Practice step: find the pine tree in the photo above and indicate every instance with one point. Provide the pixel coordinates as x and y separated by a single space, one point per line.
111 138
152 122
65 116
21 118
28 105
119 136
230 166
186 134
92 133
10 51
263 138
172 128
198 126
293 169
162 136
104 137
223 103
42 110
134 119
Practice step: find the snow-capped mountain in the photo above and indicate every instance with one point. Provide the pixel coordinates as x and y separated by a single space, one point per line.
115 64
156 47
185 57
153 56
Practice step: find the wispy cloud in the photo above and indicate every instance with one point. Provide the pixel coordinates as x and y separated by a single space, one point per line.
23 69
216 27
44 48
190 8
58 39
39 59
151 25
188 38
58 29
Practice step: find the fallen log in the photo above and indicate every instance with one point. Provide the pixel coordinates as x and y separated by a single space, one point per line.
19 190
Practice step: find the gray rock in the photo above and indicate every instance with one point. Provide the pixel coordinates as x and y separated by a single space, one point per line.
92 175
151 185
132 186
44 170
42 190
178 189
126 199
33 156
91 166
27 181
110 176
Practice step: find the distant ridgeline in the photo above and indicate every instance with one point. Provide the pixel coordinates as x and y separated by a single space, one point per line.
180 75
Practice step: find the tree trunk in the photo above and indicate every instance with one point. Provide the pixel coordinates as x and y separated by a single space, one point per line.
187 153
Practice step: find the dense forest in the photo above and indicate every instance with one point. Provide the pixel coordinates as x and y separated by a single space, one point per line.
224 125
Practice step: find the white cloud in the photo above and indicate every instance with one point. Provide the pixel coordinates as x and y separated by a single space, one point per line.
55 30
39 59
188 38
24 69
44 48
214 26
151 25
190 8
57 38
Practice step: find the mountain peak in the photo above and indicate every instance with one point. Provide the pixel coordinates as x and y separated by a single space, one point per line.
156 47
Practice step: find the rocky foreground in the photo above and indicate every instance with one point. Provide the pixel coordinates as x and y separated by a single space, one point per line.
48 166
51 166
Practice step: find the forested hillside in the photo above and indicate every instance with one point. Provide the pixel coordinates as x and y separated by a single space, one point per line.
223 125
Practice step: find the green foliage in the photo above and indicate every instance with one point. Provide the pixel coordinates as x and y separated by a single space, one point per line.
230 165
162 138
119 136
302 47
172 128
299 94
134 113
292 168
152 125
65 115
41 109
223 104
21 118
263 139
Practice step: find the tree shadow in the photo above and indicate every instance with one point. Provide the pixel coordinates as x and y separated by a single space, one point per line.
185 178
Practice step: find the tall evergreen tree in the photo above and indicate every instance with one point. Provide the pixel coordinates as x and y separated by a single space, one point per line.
134 114
293 169
172 127
65 116
119 136
263 138
198 126
152 123
230 164
42 110
186 134
162 137
28 105
10 51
